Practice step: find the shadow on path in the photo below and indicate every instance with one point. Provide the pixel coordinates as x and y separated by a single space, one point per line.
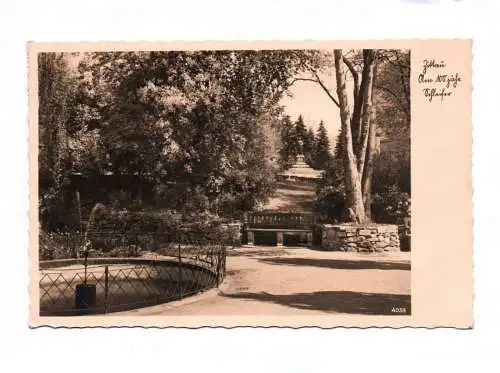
287 186
339 264
292 197
257 252
283 202
336 301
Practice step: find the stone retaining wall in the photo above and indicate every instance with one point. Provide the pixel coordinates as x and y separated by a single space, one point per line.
357 238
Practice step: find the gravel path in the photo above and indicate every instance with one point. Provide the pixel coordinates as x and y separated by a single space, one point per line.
292 197
298 281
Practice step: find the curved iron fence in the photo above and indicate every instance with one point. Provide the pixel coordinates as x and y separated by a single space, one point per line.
120 284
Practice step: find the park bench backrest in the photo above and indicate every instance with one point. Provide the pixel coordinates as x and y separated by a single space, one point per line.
280 220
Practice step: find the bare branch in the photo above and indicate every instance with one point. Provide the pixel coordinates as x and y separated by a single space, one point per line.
355 75
326 90
303 79
318 80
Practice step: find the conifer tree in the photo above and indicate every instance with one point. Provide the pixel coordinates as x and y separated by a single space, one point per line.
289 141
310 147
300 128
322 151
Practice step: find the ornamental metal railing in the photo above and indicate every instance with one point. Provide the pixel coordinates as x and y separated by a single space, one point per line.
120 284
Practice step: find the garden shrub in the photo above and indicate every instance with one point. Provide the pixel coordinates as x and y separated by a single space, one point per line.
391 207
329 204
58 245
151 230
394 207
125 233
213 231
131 251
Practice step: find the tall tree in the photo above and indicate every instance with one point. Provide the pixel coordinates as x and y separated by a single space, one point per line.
356 130
289 144
53 115
385 127
322 150
356 126
300 129
337 151
310 147
56 92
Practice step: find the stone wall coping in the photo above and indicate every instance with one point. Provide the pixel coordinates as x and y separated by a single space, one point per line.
358 226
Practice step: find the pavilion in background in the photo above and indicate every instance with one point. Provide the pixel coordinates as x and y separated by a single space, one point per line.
301 172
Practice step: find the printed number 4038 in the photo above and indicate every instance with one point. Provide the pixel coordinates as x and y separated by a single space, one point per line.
398 309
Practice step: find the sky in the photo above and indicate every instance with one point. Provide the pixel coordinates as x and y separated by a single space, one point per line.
312 102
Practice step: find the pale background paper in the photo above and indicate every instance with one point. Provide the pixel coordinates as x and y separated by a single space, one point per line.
441 273
246 349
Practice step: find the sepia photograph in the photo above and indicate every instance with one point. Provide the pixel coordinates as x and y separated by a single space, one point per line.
272 188
224 182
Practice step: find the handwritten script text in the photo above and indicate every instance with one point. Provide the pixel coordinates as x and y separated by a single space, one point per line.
439 83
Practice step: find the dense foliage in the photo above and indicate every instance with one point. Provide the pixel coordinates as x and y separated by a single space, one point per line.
198 129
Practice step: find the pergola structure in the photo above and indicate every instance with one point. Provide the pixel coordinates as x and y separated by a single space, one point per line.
301 171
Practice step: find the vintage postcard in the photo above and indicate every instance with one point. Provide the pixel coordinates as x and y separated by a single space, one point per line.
288 184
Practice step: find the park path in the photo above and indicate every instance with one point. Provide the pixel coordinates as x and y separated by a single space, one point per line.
292 196
299 281
289 281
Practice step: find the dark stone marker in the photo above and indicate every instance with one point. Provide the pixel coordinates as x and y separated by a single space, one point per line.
85 297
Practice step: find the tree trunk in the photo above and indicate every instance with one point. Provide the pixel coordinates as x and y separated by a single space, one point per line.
352 175
370 152
368 171
368 72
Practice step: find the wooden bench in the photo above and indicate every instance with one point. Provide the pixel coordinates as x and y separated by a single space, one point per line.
279 222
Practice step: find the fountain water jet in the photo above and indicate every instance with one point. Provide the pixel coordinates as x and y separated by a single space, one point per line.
85 294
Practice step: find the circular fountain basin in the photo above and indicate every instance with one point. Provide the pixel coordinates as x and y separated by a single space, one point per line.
121 283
